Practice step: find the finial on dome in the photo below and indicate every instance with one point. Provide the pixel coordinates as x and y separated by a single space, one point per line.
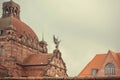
42 36
11 0
43 45
110 51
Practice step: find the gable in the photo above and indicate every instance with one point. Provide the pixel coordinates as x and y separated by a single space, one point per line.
58 62
57 66
112 58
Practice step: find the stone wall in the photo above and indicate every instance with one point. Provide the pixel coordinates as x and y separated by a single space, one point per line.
69 78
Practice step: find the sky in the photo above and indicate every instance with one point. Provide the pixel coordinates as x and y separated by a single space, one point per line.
85 27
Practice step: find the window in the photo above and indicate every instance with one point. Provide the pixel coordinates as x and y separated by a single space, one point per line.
109 69
2 50
1 32
94 72
8 33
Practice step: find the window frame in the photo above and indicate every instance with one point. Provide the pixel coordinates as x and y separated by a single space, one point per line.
94 71
109 69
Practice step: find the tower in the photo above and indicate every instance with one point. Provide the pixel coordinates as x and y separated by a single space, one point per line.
17 39
11 9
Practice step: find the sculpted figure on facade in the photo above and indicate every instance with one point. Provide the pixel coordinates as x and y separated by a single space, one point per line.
56 41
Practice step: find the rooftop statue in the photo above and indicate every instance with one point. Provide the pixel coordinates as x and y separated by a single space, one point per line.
56 41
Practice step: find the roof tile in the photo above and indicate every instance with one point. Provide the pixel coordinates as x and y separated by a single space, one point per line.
36 59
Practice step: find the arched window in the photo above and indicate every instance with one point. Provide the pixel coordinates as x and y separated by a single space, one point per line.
110 69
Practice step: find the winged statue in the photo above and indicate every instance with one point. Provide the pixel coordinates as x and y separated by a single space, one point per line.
56 41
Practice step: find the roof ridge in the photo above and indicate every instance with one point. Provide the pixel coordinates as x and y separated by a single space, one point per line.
101 54
106 54
41 54
104 59
115 54
110 51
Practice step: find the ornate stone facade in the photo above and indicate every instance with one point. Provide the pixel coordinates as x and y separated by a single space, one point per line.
21 53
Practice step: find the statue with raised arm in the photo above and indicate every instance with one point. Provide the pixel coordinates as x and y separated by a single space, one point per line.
56 41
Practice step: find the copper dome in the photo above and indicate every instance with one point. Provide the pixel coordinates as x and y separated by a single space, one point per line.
20 27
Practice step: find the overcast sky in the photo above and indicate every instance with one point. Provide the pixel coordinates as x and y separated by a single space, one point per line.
85 27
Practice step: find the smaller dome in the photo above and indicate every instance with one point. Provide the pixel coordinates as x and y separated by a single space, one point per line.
43 43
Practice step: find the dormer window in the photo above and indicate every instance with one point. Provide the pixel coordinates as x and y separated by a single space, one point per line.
110 69
94 72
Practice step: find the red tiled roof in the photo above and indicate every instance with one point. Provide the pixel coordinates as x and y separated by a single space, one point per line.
17 24
97 63
37 59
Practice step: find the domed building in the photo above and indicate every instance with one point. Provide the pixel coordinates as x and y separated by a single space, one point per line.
21 52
